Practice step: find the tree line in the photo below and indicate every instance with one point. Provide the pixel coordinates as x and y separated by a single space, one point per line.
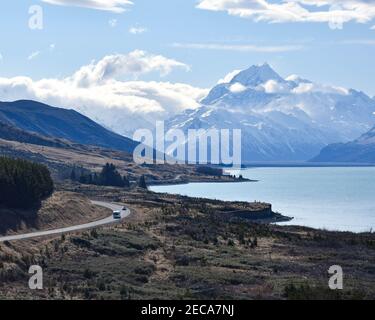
109 177
23 184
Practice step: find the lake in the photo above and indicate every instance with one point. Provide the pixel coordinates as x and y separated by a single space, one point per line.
334 198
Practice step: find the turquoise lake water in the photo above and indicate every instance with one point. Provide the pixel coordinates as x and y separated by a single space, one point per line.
330 198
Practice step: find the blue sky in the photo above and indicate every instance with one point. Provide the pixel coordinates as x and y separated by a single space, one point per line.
83 34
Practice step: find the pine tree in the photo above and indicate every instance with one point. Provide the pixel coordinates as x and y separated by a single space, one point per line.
23 184
126 182
110 176
142 182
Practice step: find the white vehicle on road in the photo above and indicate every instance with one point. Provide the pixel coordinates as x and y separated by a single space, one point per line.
122 214
116 215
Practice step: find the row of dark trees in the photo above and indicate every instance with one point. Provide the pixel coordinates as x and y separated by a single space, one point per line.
23 184
109 176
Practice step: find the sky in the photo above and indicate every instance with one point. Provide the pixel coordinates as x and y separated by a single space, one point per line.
167 53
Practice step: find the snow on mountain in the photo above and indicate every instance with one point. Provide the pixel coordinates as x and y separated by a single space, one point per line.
281 119
257 75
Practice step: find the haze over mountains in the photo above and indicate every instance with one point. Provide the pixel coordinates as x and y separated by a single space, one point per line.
361 150
281 119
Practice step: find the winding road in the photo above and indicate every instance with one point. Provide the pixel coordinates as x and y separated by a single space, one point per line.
102 222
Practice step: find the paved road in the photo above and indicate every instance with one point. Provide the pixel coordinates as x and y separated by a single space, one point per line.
106 221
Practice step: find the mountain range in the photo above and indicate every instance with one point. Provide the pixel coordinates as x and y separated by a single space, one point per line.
361 150
289 119
34 122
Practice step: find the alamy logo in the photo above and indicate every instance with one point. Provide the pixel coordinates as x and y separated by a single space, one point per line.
36 17
198 146
336 281
336 21
36 280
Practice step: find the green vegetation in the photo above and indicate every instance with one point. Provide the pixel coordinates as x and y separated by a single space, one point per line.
23 184
109 176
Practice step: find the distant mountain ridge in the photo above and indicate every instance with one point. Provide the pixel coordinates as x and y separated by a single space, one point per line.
367 138
46 121
361 150
289 119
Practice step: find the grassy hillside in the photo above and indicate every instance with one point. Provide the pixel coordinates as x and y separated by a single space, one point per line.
62 209
175 247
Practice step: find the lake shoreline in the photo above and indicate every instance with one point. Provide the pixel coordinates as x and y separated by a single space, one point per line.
190 180
271 218
324 198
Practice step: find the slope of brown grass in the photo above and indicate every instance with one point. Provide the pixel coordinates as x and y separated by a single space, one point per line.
62 209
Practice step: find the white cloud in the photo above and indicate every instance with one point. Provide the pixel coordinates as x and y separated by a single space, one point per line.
137 30
1 57
296 78
234 47
134 64
95 91
33 55
52 46
117 6
305 88
292 77
273 86
229 77
237 88
112 23
373 27
281 11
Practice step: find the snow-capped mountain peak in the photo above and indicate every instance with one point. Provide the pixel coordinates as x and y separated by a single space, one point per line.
281 119
256 75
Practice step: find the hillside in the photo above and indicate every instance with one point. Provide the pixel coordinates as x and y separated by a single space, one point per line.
55 123
361 150
181 248
12 133
62 209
